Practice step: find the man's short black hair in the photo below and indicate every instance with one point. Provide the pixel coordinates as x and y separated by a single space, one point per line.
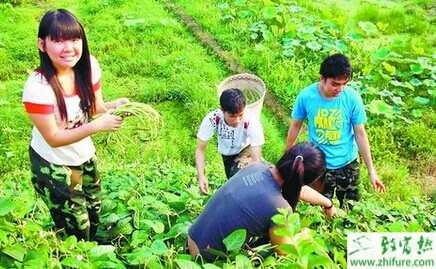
232 101
336 66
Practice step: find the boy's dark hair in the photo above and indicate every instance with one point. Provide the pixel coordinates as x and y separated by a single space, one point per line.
299 166
60 24
232 101
336 66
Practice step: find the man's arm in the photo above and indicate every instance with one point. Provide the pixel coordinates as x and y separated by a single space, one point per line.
256 153
363 144
200 164
313 197
294 130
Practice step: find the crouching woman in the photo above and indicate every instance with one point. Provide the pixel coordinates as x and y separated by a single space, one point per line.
252 197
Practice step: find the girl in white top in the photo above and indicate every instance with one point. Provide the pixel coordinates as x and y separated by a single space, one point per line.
61 97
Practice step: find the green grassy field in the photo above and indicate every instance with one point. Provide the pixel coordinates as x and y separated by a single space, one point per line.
150 191
286 45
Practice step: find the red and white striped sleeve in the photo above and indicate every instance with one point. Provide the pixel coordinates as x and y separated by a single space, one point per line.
95 74
38 96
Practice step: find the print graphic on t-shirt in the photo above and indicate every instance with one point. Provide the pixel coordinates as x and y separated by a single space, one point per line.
78 120
251 180
328 123
222 130
225 133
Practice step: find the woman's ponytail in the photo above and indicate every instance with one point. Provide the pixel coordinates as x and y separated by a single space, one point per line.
299 166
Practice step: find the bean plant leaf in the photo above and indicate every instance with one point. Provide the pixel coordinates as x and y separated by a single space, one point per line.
433 220
138 256
381 107
415 82
381 53
368 27
217 252
279 219
282 231
36 259
69 243
407 85
355 37
139 237
429 83
414 227
210 266
3 101
389 68
417 113
269 12
341 46
235 240
101 250
294 225
289 249
154 263
223 6
243 262
313 45
245 14
240 2
397 100
158 247
416 68
16 252
396 227
396 83
157 226
307 30
184 264
86 246
113 264
6 206
316 261
421 100
72 262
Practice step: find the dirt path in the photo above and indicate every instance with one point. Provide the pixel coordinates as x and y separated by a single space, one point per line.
232 64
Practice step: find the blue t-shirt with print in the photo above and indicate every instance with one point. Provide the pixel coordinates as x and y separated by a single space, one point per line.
330 122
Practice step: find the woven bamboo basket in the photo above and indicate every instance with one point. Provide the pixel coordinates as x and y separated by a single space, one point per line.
254 90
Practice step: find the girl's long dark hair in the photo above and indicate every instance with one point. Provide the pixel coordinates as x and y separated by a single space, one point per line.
300 165
60 24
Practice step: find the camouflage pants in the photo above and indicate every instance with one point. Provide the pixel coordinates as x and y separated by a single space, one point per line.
74 206
344 181
234 163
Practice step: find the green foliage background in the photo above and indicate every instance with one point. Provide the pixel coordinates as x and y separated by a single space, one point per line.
150 194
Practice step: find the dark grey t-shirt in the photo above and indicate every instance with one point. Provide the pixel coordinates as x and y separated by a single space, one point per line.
248 201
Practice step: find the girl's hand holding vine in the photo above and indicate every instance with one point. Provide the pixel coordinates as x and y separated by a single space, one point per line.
121 101
107 122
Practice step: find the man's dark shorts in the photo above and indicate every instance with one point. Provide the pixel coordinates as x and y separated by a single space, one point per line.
345 181
234 163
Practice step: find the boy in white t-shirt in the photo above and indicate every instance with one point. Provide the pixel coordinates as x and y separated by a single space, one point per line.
239 137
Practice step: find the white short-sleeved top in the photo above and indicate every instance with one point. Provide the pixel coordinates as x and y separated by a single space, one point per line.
231 140
39 98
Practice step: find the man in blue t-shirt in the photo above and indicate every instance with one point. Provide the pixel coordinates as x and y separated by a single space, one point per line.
335 117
